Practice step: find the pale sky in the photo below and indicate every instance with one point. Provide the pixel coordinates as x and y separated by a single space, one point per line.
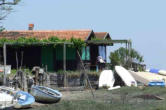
142 21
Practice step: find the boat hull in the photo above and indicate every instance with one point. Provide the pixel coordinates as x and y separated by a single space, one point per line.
43 96
106 79
25 100
125 76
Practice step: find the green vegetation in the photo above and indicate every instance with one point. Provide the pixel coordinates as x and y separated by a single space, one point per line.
14 71
22 41
120 99
6 6
122 57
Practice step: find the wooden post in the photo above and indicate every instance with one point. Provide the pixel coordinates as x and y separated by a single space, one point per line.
64 65
17 60
36 76
64 57
22 56
130 48
126 51
4 58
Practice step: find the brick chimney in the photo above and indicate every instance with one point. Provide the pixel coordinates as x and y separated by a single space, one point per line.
31 27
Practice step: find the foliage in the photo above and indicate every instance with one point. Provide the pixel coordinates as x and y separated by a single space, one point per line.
122 57
53 39
100 41
78 43
6 8
23 41
115 60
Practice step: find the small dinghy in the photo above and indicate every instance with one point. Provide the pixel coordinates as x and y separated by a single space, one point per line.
24 99
45 94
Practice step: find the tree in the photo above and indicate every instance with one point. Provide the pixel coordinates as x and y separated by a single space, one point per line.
123 57
6 8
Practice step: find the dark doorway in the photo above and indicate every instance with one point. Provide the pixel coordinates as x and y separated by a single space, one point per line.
93 56
31 56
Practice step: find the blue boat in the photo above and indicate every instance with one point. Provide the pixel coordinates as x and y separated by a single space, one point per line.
157 83
154 70
24 99
45 94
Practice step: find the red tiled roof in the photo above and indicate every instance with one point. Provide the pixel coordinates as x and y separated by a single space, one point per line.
101 35
61 34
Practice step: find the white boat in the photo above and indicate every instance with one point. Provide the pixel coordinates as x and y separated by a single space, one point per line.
25 100
147 77
162 72
125 76
7 99
106 79
45 94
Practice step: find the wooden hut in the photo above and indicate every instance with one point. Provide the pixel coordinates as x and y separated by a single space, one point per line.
50 55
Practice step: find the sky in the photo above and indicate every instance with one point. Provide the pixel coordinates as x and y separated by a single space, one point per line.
142 21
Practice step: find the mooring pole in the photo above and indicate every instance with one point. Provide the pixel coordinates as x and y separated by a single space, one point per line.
4 59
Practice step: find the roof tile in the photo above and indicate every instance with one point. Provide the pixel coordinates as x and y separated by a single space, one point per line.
61 34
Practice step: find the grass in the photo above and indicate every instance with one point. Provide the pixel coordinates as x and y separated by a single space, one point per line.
120 99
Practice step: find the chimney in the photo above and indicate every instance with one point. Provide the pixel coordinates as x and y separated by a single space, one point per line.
31 26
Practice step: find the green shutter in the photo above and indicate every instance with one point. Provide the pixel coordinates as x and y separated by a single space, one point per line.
85 53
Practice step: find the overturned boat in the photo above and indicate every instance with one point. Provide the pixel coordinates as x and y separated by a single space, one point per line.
127 78
24 100
45 94
107 80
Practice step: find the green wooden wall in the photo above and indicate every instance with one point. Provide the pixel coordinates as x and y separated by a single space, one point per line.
47 57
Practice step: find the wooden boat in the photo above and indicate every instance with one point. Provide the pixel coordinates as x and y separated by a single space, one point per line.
25 100
7 99
45 94
125 76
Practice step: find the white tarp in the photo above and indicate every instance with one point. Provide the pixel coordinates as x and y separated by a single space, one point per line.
7 69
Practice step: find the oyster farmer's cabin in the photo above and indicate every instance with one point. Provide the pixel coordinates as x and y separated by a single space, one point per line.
53 54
